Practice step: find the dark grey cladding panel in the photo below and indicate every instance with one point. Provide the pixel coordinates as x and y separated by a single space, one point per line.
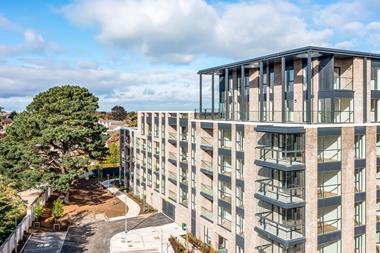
326 69
193 146
206 125
193 124
224 125
378 227
329 166
336 93
224 204
360 230
360 163
225 152
279 129
240 183
240 127
240 241
375 93
184 187
193 191
359 197
329 131
360 130
184 145
329 201
183 122
156 120
330 237
277 166
240 155
240 211
172 121
224 178
193 169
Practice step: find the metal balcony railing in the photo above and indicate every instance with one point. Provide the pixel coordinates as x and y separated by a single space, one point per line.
328 226
328 191
225 169
330 155
207 189
292 229
208 214
278 156
283 194
206 165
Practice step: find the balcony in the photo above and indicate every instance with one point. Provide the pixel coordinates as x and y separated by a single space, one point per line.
172 196
172 138
343 83
288 233
183 137
206 168
184 179
280 159
225 143
328 191
225 169
172 158
206 143
207 214
206 191
328 226
172 177
286 197
226 197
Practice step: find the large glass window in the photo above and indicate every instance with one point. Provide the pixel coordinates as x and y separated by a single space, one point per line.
206 235
239 168
359 146
224 217
360 213
239 139
360 179
360 244
239 225
375 110
239 196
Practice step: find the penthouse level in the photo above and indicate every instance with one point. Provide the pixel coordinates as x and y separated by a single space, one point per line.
305 85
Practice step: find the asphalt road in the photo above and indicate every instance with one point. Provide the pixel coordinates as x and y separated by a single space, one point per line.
95 237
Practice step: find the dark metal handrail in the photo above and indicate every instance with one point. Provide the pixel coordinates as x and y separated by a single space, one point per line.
290 156
287 192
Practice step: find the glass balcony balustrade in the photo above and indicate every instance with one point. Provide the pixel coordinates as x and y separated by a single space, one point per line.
328 226
206 141
206 165
172 136
287 230
207 189
208 214
281 156
285 194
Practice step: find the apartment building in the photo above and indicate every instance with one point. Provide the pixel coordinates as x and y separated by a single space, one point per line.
284 159
127 159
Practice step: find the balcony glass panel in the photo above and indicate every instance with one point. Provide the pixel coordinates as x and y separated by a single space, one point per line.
329 219
329 149
286 194
287 229
329 184
206 141
206 165
207 189
208 214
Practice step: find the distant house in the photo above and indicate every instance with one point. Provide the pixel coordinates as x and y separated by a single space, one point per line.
112 125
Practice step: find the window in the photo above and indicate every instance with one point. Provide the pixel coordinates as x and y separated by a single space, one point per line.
239 196
225 138
239 249
359 146
193 135
193 179
378 145
239 225
359 179
183 197
224 217
193 157
193 205
225 191
206 235
330 247
360 213
224 164
360 244
239 168
239 139
375 110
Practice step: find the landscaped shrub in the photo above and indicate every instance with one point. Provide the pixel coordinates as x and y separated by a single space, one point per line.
176 245
57 209
38 211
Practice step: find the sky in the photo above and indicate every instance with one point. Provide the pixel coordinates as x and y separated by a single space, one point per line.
144 54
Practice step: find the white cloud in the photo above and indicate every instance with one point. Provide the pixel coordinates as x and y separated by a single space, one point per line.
177 31
158 88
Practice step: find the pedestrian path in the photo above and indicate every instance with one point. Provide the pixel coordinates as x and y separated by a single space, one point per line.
133 207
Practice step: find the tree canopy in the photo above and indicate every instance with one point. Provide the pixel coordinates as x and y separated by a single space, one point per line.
118 113
55 140
12 209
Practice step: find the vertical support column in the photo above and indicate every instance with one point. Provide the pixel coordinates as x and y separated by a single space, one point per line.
242 95
227 98
371 189
283 79
200 96
311 186
261 87
365 80
348 189
308 88
212 95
